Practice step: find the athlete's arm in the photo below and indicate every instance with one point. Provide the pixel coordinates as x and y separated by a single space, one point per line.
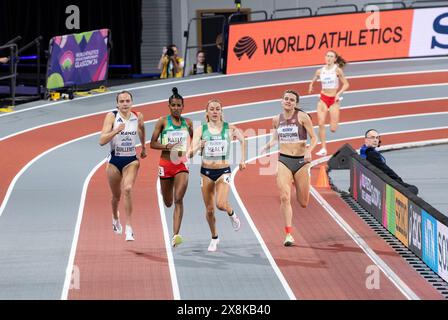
306 122
274 138
345 84
158 128
190 127
236 133
316 76
107 133
196 144
142 134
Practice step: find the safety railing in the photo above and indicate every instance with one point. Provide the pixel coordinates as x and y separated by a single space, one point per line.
308 12
250 13
385 5
420 4
329 9
187 36
35 43
12 77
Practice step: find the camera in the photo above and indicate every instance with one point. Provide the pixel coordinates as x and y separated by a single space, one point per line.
170 52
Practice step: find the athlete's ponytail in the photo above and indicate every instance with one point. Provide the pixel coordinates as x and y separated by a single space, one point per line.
340 61
175 95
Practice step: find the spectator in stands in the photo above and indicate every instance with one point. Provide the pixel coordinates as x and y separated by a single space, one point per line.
4 60
201 66
369 152
170 64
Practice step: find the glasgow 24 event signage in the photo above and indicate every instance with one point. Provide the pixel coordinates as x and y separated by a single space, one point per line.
78 59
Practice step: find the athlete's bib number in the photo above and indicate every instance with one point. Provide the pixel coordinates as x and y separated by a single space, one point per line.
288 134
215 148
124 151
178 137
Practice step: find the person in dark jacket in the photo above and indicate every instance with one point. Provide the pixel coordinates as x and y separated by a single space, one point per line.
369 152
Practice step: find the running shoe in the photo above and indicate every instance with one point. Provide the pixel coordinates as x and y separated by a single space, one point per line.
177 240
129 233
116 226
236 223
289 240
213 245
322 152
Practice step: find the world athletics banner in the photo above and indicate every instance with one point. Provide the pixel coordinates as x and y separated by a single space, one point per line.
77 59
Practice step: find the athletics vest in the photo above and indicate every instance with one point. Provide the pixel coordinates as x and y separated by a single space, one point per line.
329 78
123 144
217 146
290 130
176 134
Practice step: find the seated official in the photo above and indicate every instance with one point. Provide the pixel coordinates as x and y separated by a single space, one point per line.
369 152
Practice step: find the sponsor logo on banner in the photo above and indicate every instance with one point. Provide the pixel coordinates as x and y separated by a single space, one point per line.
304 41
369 190
401 217
429 235
389 216
429 32
245 45
442 250
415 229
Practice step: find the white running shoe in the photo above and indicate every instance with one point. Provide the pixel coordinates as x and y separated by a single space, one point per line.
236 223
322 152
289 240
177 240
116 226
213 245
129 233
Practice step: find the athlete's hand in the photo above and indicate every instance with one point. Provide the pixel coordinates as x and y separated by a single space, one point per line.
307 157
171 146
242 165
120 127
143 153
310 90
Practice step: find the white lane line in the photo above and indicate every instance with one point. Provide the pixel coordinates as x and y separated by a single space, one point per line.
29 164
19 174
167 240
216 92
388 272
263 245
252 104
173 276
71 259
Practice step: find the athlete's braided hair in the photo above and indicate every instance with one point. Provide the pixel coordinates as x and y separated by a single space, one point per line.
175 95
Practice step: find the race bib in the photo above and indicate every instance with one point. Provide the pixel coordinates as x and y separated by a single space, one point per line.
161 172
288 134
126 148
215 148
179 137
